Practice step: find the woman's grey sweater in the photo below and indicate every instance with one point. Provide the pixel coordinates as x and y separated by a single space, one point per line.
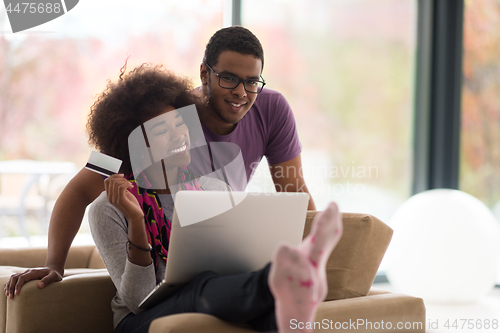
110 232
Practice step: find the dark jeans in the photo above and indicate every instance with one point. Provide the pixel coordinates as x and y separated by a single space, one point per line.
240 298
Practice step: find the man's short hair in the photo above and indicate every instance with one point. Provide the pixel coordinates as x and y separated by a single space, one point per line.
236 39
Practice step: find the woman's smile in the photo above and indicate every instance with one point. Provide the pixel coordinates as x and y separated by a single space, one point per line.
181 149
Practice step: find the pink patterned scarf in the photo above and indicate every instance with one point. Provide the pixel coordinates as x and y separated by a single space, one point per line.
158 226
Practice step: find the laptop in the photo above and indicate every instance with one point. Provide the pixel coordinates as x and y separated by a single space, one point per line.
228 233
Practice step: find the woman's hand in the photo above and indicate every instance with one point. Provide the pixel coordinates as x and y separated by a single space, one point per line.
118 195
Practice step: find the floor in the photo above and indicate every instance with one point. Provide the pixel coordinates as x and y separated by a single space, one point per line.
482 316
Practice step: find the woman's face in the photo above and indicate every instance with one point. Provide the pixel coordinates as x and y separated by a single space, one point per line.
168 138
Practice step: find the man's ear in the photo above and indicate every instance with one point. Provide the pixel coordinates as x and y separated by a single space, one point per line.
203 74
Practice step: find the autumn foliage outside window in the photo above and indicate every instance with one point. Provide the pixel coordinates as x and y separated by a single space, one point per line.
480 135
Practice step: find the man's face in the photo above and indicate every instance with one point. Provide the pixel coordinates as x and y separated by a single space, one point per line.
231 105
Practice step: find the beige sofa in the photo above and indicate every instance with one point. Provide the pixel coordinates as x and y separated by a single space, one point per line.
81 302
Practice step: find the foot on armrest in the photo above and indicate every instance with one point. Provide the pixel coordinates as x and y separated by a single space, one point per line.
298 275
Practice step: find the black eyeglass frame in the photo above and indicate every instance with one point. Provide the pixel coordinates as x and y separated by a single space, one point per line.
239 81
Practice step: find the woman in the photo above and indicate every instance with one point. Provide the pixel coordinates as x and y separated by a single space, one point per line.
131 224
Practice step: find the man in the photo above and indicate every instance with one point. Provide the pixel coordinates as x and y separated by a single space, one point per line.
240 111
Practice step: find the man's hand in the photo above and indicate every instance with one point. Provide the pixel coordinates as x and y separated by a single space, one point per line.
46 276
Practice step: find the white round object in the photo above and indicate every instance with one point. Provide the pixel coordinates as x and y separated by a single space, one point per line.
445 248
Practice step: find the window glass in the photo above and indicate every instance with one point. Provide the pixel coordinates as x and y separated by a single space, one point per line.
346 68
51 74
480 134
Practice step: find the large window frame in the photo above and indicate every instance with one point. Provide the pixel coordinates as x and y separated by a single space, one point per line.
437 107
437 95
437 101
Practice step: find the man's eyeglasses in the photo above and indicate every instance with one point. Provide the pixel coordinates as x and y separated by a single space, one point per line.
231 82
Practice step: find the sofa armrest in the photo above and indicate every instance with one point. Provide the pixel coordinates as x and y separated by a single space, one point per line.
376 308
78 257
354 262
4 278
379 306
79 303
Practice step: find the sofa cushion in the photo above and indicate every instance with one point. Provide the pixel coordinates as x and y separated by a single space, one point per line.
29 257
354 262
95 260
195 323
363 314
335 316
7 271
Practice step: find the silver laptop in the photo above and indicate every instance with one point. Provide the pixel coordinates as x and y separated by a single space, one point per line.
228 233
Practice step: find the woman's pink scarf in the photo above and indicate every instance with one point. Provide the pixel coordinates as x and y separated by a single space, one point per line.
158 226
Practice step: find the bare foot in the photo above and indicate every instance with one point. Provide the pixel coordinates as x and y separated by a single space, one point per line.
326 231
294 285
298 275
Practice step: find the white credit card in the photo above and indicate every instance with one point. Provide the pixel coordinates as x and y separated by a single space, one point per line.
103 164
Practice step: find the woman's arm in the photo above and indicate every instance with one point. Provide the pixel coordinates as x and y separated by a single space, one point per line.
65 222
67 215
114 220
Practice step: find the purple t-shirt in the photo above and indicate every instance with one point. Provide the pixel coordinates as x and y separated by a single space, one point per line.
268 129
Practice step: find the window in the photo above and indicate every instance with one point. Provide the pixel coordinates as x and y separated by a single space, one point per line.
51 74
346 68
480 136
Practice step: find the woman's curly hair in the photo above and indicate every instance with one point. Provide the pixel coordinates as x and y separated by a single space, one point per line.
137 96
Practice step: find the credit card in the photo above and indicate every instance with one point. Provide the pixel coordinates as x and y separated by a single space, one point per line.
103 164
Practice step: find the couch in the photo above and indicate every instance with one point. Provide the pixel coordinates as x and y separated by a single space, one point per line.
81 302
